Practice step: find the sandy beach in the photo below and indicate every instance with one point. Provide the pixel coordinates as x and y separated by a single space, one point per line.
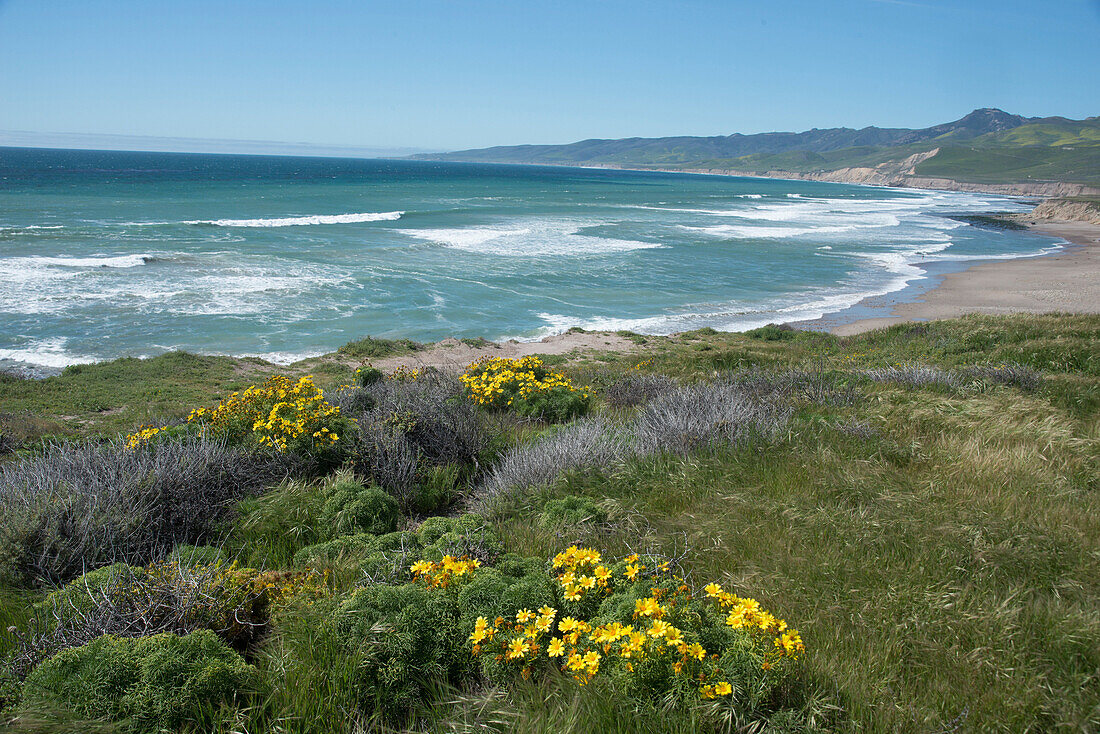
1067 282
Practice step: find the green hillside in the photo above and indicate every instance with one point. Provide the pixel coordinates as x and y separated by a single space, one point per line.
986 146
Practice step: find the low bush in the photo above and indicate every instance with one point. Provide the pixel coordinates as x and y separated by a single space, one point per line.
635 388
588 443
337 553
77 507
236 603
408 641
279 414
152 684
374 348
629 621
913 375
430 412
526 387
350 508
1016 375
773 332
705 415
366 375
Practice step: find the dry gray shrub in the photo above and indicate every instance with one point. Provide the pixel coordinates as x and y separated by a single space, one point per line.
1016 375
586 443
80 506
698 416
388 457
440 424
636 388
915 376
706 415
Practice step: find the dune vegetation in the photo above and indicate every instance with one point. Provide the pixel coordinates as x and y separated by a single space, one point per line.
773 531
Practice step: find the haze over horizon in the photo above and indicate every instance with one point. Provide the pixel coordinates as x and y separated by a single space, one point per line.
437 75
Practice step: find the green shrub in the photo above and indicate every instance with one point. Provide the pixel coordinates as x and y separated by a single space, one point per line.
149 684
438 489
390 558
368 375
465 535
373 348
350 508
409 640
570 511
773 333
337 552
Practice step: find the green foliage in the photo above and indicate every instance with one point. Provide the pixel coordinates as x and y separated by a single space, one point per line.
147 684
350 508
406 638
772 333
368 375
571 511
375 348
271 528
438 489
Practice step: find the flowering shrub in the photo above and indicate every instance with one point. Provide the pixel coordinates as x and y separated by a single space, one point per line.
641 626
525 386
280 414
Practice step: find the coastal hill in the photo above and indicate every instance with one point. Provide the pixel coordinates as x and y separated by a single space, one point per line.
988 149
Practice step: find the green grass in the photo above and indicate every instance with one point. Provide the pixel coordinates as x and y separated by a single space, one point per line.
374 348
948 568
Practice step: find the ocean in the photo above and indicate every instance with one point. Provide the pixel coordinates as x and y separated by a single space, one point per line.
109 254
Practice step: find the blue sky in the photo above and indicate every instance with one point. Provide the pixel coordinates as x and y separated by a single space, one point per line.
446 74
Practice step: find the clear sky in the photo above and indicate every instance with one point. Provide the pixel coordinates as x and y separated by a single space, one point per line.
447 74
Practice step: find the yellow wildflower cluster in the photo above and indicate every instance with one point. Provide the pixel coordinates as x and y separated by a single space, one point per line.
644 364
142 436
277 412
443 573
664 628
520 641
748 614
579 571
500 382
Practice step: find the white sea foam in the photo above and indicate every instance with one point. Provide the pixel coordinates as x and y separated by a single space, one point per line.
297 221
737 231
45 352
533 238
110 261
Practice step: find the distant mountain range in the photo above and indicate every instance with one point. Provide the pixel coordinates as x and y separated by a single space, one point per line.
986 149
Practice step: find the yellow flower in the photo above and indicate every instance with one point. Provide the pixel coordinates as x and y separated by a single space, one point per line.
723 688
556 648
517 648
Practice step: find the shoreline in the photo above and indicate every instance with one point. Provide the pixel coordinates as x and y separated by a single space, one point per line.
1067 281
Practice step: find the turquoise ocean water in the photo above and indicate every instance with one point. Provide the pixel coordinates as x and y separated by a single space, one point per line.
105 254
